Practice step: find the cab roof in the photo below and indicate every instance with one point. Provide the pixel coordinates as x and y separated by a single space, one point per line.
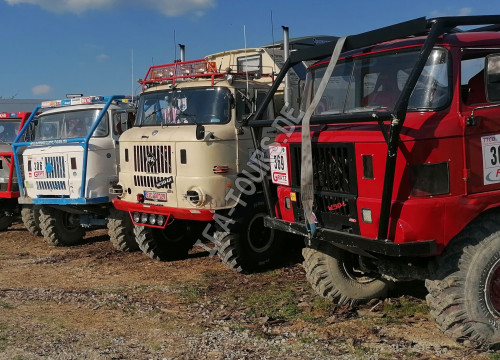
459 39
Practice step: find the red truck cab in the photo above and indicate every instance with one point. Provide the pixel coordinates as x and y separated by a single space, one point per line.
392 170
10 125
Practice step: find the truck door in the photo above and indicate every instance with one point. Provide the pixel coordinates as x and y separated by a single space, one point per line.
482 125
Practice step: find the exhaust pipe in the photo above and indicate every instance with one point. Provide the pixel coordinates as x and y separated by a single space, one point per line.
286 51
183 52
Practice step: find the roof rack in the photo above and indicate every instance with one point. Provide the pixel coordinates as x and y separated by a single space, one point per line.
83 100
188 70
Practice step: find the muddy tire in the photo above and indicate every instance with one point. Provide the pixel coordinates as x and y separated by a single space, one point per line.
121 231
248 246
464 296
336 277
171 243
58 227
31 219
6 220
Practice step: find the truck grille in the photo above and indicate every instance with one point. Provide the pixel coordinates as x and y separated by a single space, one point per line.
335 186
54 167
333 167
50 185
159 182
153 159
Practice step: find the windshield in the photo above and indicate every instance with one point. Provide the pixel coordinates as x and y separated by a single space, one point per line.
368 83
184 106
9 130
70 125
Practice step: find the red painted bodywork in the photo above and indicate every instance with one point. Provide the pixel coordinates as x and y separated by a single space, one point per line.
427 137
186 214
6 157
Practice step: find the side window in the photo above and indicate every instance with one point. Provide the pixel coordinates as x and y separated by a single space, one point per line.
122 121
260 96
472 81
102 128
242 106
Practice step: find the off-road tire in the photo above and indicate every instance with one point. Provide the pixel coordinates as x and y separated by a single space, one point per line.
171 243
248 246
6 220
121 231
30 216
57 229
334 277
464 296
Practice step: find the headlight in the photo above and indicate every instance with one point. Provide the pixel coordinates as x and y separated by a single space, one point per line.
136 217
195 197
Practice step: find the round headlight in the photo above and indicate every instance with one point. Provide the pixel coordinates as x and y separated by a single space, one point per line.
195 197
144 218
152 219
136 217
160 220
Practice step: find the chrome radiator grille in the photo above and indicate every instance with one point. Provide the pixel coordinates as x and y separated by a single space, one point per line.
153 159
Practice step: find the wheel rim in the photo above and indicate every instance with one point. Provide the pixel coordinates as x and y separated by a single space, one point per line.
493 289
355 274
67 222
260 238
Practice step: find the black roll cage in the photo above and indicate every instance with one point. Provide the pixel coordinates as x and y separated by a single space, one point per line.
432 29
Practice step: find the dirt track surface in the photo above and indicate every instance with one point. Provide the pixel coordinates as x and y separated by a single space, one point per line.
92 302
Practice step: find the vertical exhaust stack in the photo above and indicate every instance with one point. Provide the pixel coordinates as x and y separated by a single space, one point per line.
286 53
183 52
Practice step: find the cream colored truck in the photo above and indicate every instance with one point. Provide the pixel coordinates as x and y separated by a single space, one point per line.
185 162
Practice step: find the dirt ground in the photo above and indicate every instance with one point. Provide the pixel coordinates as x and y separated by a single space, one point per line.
92 302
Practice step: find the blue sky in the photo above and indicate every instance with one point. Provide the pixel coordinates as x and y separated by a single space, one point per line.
53 47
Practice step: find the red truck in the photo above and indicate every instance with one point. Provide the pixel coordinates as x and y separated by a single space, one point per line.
10 125
394 171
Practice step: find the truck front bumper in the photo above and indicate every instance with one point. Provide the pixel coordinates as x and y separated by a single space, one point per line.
354 243
177 213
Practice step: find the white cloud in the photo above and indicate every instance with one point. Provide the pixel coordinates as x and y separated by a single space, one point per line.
180 7
102 57
166 7
41 90
62 6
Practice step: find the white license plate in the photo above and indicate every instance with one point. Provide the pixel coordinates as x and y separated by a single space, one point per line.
155 196
279 165
38 167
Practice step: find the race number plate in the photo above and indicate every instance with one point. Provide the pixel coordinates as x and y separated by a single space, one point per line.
155 196
38 167
491 159
279 165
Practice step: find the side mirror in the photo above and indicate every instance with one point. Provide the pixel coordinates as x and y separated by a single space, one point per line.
200 132
493 78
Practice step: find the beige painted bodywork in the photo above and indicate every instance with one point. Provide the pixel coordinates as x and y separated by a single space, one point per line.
224 145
